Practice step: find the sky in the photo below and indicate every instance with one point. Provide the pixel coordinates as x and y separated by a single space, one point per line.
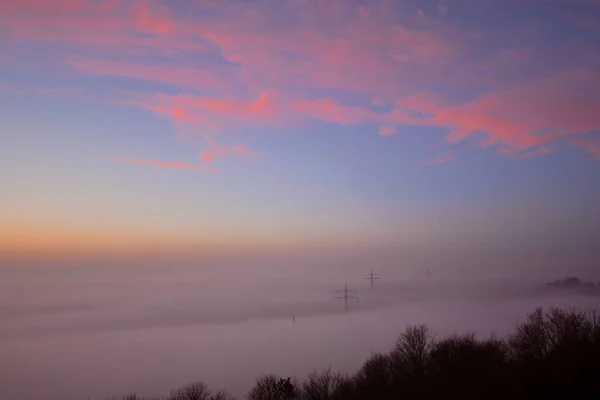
140 126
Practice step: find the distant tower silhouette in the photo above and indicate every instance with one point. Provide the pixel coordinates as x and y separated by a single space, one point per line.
462 272
371 276
427 273
348 295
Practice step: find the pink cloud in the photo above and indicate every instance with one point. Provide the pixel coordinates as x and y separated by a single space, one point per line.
109 40
387 131
590 145
153 18
213 150
507 58
518 118
177 76
204 117
73 94
115 25
424 102
360 56
243 150
165 164
331 111
528 115
206 158
362 48
336 47
263 107
411 45
100 6
363 53
378 101
540 151
201 109
441 159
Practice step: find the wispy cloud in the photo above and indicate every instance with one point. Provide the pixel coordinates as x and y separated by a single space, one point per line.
590 145
309 189
178 76
337 62
525 116
441 159
529 153
213 150
163 164
387 131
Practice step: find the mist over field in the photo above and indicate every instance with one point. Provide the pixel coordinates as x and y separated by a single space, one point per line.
98 328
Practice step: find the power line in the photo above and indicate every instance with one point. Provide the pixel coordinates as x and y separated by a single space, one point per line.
348 295
372 277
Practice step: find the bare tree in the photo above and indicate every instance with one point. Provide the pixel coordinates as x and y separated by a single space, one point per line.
271 387
221 395
193 391
321 386
413 346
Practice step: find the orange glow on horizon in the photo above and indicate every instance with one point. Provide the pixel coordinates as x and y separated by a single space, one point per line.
19 240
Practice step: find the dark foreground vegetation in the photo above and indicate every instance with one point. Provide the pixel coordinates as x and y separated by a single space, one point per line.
553 354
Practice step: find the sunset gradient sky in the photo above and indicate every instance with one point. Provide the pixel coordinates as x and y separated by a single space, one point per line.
142 125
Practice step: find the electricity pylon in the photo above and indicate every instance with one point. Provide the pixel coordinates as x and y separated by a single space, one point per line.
371 276
348 295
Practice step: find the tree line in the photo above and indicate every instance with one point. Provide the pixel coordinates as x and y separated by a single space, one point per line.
553 354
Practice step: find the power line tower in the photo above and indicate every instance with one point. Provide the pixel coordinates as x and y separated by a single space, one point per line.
348 295
372 277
